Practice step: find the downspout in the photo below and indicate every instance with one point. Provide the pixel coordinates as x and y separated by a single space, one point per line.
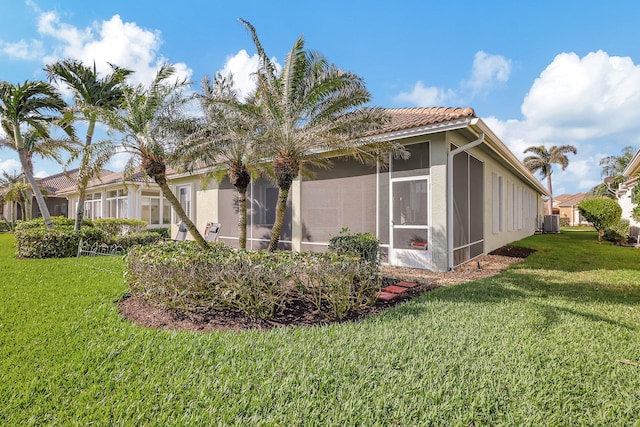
469 146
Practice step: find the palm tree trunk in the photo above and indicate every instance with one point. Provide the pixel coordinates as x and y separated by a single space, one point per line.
281 209
82 173
177 207
242 218
550 195
44 210
80 210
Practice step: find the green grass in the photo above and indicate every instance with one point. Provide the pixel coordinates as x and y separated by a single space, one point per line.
552 341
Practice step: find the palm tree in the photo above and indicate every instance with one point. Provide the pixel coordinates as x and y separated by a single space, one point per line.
615 165
95 99
16 192
151 117
310 107
543 159
28 104
224 141
36 145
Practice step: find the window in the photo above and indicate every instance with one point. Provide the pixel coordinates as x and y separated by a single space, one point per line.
154 209
184 197
93 206
117 203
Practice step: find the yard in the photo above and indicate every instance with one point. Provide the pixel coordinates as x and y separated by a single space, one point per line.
554 340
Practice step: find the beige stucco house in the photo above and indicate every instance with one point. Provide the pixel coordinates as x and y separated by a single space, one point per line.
461 194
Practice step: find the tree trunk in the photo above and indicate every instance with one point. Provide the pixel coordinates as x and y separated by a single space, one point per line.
281 210
80 210
550 195
82 175
177 207
44 210
242 218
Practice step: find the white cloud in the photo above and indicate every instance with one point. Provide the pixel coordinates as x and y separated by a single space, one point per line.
112 41
24 50
10 166
426 96
487 71
41 174
589 102
242 67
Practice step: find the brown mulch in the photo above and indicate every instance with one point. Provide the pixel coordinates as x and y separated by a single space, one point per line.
300 313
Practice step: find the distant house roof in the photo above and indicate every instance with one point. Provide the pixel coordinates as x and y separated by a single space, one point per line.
54 183
569 199
108 178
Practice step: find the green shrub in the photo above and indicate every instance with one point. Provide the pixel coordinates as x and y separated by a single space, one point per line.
5 226
602 213
57 243
162 231
120 226
618 232
58 222
364 245
131 239
183 277
564 221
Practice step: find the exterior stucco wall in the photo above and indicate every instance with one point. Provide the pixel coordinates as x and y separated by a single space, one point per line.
521 205
627 204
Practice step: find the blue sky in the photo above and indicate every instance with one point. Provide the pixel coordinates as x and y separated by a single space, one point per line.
538 72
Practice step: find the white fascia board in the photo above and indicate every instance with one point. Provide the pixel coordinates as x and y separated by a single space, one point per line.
419 131
634 166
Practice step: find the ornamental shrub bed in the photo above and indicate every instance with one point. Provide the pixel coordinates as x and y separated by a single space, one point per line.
120 226
34 240
57 243
182 277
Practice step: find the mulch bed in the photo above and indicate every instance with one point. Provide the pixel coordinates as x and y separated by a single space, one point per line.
300 313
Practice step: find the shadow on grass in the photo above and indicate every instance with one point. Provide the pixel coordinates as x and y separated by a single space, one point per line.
546 291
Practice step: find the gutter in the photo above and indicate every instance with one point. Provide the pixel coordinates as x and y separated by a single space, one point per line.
475 143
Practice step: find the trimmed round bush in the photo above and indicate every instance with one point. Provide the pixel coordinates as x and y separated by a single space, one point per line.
602 213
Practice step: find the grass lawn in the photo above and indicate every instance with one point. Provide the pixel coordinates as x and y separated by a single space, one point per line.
551 341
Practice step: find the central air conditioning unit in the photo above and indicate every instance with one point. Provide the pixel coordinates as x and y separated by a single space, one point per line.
551 224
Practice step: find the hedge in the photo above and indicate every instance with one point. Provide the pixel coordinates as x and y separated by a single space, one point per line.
183 277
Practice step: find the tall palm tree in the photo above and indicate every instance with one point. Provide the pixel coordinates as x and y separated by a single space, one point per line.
543 159
27 104
615 165
310 107
95 99
151 118
225 141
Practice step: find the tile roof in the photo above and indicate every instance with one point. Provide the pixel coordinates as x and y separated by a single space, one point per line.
569 199
408 118
109 177
53 183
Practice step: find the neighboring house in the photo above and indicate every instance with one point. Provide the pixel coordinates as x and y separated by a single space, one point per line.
51 186
625 194
566 205
113 196
461 194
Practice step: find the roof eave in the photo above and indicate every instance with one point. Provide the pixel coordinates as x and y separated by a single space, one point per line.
634 165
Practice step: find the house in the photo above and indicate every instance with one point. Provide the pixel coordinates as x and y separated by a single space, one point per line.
51 186
112 195
626 197
459 195
566 205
